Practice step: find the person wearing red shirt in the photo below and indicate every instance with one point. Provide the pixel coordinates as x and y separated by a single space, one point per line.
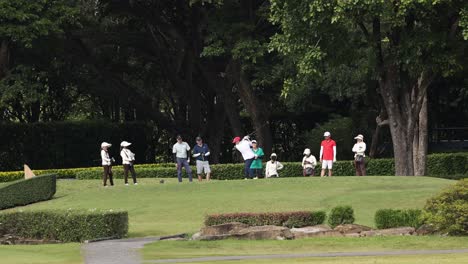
327 154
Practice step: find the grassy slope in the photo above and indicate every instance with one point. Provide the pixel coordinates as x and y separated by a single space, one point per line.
161 209
189 249
41 254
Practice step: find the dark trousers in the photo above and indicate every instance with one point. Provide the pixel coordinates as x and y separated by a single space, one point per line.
360 168
131 168
108 174
248 173
183 163
257 173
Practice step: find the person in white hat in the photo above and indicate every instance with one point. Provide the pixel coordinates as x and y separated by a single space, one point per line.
273 166
128 161
107 163
327 154
308 163
359 150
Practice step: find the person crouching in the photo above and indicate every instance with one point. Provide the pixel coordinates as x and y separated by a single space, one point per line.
273 166
106 163
128 161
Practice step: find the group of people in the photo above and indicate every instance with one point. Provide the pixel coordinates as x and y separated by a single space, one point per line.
128 162
250 151
252 156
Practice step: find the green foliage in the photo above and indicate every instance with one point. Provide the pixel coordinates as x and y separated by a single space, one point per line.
342 132
390 218
23 192
65 225
70 144
289 219
341 215
448 211
23 21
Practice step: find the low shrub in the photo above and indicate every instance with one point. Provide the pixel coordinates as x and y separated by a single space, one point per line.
23 192
341 215
448 211
65 226
390 218
289 219
449 166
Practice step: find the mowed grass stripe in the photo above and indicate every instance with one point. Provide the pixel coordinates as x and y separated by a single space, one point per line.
164 209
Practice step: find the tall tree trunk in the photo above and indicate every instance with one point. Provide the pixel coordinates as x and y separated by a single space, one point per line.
258 113
420 142
381 120
4 58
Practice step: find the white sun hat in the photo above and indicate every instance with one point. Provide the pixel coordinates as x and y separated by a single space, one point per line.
361 137
125 144
254 141
273 155
326 134
105 144
307 151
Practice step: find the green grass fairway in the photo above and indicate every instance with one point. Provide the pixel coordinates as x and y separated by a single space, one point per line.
162 209
41 254
427 259
193 249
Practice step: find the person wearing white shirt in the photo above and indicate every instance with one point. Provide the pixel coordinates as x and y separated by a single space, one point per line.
106 163
273 166
244 146
182 158
308 163
359 150
128 161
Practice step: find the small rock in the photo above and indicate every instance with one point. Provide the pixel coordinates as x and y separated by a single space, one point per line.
351 228
263 232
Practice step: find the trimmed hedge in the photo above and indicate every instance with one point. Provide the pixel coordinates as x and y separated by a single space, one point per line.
23 192
65 225
341 215
448 211
289 219
390 218
449 166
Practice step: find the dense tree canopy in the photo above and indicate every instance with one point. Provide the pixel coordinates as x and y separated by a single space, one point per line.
227 68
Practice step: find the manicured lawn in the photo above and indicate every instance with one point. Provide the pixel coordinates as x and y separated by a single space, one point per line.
191 249
426 259
162 209
41 254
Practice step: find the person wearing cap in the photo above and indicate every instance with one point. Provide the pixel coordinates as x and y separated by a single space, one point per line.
308 163
327 154
181 157
107 163
257 166
201 152
244 146
359 150
128 161
273 166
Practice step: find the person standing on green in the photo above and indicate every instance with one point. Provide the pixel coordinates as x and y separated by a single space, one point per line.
257 166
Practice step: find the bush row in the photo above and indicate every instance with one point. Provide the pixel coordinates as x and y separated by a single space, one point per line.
389 218
23 192
289 219
341 215
65 226
451 166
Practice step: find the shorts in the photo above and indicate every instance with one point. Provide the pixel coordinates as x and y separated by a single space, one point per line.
203 166
327 164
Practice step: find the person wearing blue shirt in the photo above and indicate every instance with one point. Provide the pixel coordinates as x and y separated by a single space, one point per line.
201 153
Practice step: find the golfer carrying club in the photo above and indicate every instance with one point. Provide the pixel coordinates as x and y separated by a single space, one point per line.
327 154
244 146
201 153
181 157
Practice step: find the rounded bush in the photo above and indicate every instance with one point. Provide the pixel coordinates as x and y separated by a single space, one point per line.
390 218
23 192
341 215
